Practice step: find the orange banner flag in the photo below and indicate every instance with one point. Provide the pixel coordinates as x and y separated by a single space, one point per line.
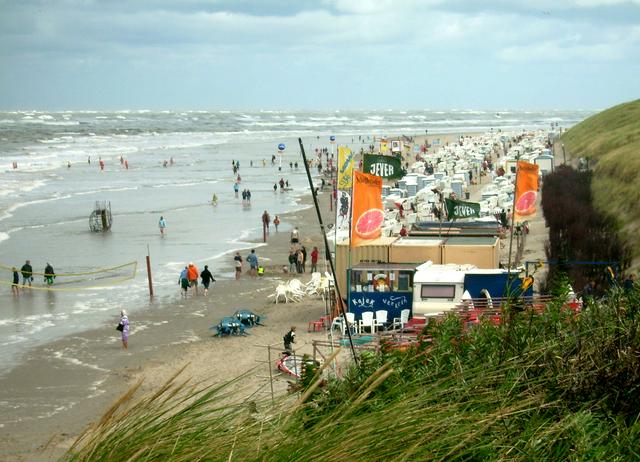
367 216
526 190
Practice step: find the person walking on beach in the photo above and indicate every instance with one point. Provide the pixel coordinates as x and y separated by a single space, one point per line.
288 339
124 322
49 274
237 261
299 260
252 259
236 188
292 260
276 222
314 260
295 235
303 251
207 278
162 224
183 281
27 273
16 281
192 275
266 220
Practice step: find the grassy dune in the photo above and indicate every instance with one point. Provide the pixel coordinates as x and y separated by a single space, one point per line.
552 387
611 142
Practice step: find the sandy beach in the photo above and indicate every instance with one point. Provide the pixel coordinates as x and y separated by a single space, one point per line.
91 369
163 339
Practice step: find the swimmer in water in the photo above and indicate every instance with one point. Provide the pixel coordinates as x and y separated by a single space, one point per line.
214 199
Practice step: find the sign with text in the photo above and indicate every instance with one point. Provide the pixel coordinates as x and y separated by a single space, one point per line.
461 209
388 167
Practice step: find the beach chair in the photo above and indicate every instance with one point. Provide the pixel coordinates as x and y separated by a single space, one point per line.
314 281
381 319
281 291
398 323
296 289
367 321
340 323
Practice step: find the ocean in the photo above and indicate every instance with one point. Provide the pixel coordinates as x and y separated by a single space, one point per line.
45 202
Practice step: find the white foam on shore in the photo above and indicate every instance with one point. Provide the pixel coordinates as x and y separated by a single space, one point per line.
77 362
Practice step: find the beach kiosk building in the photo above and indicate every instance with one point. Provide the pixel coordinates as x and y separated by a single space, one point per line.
380 286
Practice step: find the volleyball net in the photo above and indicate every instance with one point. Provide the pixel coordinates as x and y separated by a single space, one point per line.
79 280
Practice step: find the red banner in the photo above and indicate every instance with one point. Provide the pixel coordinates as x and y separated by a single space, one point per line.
368 215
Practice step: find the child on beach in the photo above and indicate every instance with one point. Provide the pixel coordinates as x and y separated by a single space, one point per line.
237 260
276 222
289 338
124 322
162 224
16 281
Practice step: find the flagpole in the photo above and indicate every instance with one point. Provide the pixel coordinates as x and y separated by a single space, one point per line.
327 252
513 213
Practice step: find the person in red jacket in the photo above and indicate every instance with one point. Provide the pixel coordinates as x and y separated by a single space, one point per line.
314 260
192 276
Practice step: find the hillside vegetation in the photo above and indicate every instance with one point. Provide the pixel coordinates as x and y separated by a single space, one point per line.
610 140
557 386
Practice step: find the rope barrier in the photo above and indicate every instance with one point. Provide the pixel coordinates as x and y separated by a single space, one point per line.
107 282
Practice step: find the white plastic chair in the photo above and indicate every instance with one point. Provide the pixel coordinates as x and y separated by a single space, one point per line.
402 320
351 322
296 289
381 318
315 280
367 321
281 291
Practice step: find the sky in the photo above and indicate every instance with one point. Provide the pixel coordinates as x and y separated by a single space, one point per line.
318 54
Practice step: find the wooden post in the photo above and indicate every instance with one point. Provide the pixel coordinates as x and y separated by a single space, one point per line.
149 273
270 371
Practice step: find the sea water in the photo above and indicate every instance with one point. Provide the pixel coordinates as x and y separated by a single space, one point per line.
45 204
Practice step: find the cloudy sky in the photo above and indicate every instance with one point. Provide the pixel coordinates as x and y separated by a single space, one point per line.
318 54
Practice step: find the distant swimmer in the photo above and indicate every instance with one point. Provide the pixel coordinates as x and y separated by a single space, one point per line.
49 274
171 161
126 164
214 199
162 224
101 162
68 164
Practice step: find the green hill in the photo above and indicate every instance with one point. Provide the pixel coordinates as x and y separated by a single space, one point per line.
610 140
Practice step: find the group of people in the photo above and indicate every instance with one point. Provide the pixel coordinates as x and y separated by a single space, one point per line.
189 279
27 276
252 259
298 255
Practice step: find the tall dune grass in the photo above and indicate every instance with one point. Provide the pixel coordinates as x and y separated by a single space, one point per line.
538 387
611 141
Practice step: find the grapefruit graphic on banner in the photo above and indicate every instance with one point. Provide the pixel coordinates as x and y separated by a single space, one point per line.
368 215
526 190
